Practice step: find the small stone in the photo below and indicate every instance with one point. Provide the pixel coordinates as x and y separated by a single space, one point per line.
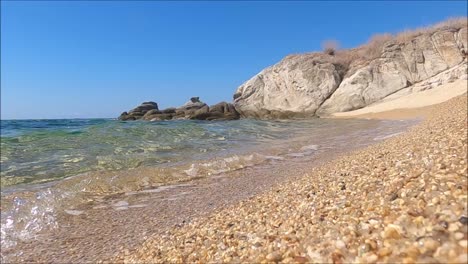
340 244
431 244
408 261
337 257
444 224
372 243
463 243
371 258
274 256
413 251
458 236
463 220
364 249
384 252
453 227
300 259
393 196
392 231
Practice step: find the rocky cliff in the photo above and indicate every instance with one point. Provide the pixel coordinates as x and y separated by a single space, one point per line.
318 84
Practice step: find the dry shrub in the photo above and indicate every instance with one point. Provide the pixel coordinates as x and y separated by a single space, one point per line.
330 47
454 23
373 48
343 59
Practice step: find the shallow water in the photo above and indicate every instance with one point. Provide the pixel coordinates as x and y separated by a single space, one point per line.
51 166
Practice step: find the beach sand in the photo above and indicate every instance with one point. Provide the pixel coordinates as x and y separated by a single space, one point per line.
401 200
409 106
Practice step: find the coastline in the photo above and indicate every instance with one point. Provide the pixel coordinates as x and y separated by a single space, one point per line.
401 200
97 227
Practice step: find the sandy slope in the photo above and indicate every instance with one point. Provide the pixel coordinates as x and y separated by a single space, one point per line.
414 104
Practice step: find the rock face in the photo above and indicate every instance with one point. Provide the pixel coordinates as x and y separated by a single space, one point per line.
220 111
193 109
139 111
318 84
294 87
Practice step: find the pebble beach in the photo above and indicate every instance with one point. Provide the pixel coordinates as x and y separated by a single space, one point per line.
402 200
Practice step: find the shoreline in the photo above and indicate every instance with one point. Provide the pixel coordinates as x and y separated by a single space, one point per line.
128 219
400 200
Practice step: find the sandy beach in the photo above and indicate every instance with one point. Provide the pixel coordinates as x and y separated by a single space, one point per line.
409 106
402 200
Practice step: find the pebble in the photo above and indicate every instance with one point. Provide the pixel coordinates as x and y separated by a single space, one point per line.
372 258
340 244
384 252
274 256
463 243
431 244
459 236
300 259
392 231
463 220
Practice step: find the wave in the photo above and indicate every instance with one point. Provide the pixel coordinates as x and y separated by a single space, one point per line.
29 212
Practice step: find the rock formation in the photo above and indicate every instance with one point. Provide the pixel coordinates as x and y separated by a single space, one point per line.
140 111
320 84
193 109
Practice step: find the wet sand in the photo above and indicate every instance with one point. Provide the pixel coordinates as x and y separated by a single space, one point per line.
401 201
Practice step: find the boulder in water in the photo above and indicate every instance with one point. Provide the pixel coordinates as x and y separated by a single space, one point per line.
139 111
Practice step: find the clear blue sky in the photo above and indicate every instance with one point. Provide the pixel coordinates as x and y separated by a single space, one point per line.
96 59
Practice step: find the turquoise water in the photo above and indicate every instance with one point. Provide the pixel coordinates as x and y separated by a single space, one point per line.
44 150
36 151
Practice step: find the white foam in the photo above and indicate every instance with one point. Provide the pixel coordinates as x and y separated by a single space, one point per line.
137 205
73 212
120 203
310 147
192 172
387 136
274 157
296 155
